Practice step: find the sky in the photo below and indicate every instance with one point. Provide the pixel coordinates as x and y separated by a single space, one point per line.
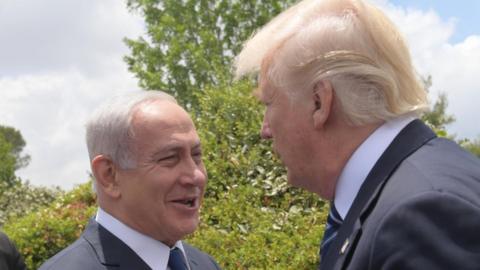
60 59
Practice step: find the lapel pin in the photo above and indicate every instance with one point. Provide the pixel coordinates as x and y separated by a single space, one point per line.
344 246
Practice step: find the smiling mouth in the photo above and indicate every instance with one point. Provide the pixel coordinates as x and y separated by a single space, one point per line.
191 202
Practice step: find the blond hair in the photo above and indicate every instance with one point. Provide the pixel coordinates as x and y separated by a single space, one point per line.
348 42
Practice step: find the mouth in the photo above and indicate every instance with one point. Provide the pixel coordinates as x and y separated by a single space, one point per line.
189 202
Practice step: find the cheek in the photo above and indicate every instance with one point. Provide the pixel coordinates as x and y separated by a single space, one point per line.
275 121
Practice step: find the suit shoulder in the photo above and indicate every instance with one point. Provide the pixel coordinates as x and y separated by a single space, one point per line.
442 154
424 221
441 165
202 259
78 256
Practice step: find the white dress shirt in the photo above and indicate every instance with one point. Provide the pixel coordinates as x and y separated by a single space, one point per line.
153 252
362 161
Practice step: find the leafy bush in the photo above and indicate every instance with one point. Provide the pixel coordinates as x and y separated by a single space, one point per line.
7 164
23 198
40 235
242 234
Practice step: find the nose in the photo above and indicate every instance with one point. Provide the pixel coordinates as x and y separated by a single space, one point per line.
265 133
193 173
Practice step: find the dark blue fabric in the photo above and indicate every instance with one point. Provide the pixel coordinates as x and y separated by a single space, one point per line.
176 261
334 221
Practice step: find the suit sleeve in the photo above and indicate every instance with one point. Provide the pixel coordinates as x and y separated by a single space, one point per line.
434 230
10 258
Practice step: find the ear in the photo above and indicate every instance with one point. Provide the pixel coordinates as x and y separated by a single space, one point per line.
323 98
105 173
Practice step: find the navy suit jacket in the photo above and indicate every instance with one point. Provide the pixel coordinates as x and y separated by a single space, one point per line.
98 249
10 258
419 208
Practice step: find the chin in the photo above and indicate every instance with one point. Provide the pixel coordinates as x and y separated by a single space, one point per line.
298 181
293 181
189 226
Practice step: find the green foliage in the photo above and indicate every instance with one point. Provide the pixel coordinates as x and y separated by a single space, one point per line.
191 43
473 146
437 117
11 158
7 165
18 198
242 234
23 198
40 235
15 139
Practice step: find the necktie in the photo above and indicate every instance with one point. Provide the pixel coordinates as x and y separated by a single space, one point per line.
334 221
176 261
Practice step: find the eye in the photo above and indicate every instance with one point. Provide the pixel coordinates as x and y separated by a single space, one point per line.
170 159
197 156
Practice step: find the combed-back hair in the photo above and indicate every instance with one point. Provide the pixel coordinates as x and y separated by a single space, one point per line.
350 43
109 129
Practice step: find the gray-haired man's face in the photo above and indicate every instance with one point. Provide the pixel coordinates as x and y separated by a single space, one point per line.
161 197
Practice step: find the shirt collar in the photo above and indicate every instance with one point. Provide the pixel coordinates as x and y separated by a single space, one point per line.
362 161
151 251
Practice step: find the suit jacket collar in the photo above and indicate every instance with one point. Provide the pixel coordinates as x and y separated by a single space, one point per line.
114 253
412 137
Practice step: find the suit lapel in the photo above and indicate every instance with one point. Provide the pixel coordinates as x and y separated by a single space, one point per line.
193 261
111 251
412 137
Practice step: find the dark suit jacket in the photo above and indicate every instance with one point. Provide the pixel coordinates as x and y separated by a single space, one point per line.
419 208
98 249
10 259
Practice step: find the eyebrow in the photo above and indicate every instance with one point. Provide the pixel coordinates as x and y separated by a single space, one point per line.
174 147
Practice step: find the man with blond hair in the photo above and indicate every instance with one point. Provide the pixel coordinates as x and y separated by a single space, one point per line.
150 179
342 103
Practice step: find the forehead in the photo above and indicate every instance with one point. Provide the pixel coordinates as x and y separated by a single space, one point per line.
162 122
265 90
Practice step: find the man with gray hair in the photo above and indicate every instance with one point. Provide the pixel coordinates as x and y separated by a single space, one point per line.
342 102
149 178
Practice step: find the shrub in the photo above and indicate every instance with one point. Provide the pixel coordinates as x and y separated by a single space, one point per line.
40 235
22 198
242 234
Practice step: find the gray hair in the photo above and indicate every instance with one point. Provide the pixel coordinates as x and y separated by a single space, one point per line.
109 129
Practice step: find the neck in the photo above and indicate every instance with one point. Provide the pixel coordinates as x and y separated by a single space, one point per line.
337 147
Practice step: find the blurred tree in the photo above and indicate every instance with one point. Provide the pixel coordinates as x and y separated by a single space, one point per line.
472 145
17 143
191 43
21 198
436 117
7 164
